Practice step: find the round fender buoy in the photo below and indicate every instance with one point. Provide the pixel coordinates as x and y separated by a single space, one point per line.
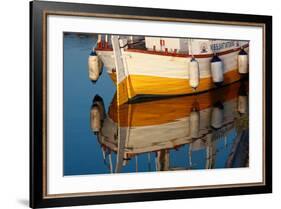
95 66
194 77
243 67
217 70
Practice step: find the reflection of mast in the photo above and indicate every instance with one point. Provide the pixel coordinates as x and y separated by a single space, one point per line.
106 152
210 152
239 154
110 163
235 146
137 166
123 138
120 151
163 160
103 153
190 155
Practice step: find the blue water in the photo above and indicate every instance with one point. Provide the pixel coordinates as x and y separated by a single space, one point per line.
82 151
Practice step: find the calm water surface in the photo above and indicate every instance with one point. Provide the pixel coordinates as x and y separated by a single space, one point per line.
148 136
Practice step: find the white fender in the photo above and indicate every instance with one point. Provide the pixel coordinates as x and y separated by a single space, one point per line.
95 66
243 66
217 116
95 119
194 123
217 70
194 77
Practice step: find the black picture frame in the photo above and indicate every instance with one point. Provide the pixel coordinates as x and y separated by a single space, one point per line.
38 11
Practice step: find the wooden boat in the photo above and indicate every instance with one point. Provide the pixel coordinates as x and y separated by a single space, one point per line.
157 66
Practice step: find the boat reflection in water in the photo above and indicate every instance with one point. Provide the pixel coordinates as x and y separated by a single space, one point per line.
204 131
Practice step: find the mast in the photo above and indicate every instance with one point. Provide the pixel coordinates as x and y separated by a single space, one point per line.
120 69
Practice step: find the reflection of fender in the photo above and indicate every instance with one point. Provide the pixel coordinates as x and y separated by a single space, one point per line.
95 119
97 114
217 115
99 101
194 119
242 101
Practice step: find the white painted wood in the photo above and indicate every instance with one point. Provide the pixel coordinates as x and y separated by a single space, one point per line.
166 66
120 69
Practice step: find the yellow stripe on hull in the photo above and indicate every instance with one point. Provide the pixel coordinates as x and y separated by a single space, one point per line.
135 85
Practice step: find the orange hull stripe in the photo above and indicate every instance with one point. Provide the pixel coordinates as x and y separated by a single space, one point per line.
151 85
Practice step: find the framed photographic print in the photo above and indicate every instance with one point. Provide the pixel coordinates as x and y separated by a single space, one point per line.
140 104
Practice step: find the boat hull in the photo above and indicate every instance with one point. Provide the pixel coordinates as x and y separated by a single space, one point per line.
148 74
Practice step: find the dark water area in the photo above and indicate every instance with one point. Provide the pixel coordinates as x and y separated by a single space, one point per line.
114 148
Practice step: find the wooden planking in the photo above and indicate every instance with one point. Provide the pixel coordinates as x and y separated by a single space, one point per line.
152 85
166 66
